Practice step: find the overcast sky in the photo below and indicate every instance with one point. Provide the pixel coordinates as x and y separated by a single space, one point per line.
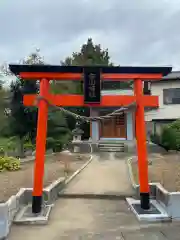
136 32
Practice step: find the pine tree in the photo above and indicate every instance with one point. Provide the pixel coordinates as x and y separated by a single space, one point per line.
90 54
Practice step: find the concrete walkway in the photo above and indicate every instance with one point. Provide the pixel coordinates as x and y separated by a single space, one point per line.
105 175
73 219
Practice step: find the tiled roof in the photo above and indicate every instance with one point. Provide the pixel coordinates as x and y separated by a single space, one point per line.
175 75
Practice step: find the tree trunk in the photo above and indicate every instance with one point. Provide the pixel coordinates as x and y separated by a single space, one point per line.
21 148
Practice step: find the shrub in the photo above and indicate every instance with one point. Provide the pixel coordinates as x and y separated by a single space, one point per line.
50 143
29 146
155 138
168 138
58 146
9 164
175 125
2 152
2 167
11 144
54 144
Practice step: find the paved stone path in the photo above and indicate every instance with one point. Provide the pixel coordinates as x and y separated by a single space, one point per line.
73 219
105 175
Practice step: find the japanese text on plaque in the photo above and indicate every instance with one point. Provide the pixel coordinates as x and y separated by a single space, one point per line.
92 85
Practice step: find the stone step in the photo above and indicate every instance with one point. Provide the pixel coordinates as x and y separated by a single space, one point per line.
111 147
104 147
111 144
110 150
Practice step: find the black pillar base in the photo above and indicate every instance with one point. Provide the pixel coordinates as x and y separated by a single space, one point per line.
145 202
36 204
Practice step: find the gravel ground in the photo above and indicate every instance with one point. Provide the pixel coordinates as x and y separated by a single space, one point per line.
164 169
11 182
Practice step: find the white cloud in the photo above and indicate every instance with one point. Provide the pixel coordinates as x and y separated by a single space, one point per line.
135 31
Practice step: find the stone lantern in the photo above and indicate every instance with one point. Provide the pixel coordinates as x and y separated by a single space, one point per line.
77 134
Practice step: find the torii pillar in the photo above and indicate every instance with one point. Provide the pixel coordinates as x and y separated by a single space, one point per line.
92 88
141 144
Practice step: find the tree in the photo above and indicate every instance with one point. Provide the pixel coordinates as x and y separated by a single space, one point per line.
31 87
90 54
22 120
3 104
58 133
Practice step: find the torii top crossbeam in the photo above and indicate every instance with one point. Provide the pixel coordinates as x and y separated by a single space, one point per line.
76 73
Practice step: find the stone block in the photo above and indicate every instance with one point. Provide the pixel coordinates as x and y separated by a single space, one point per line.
4 222
20 196
162 196
25 216
13 207
173 205
155 213
52 191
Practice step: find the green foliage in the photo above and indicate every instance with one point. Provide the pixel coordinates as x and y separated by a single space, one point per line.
175 125
3 142
71 121
11 144
90 55
3 104
7 144
29 146
22 120
57 124
57 144
62 142
170 136
155 138
2 152
9 164
50 143
58 131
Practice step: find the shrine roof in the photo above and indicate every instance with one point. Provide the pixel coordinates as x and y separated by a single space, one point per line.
172 76
17 69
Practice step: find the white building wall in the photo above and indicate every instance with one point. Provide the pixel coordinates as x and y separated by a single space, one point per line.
117 92
164 111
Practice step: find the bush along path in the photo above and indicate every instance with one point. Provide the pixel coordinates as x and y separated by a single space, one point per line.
169 138
9 164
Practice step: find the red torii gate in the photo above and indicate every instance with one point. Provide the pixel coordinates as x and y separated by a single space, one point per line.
92 87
